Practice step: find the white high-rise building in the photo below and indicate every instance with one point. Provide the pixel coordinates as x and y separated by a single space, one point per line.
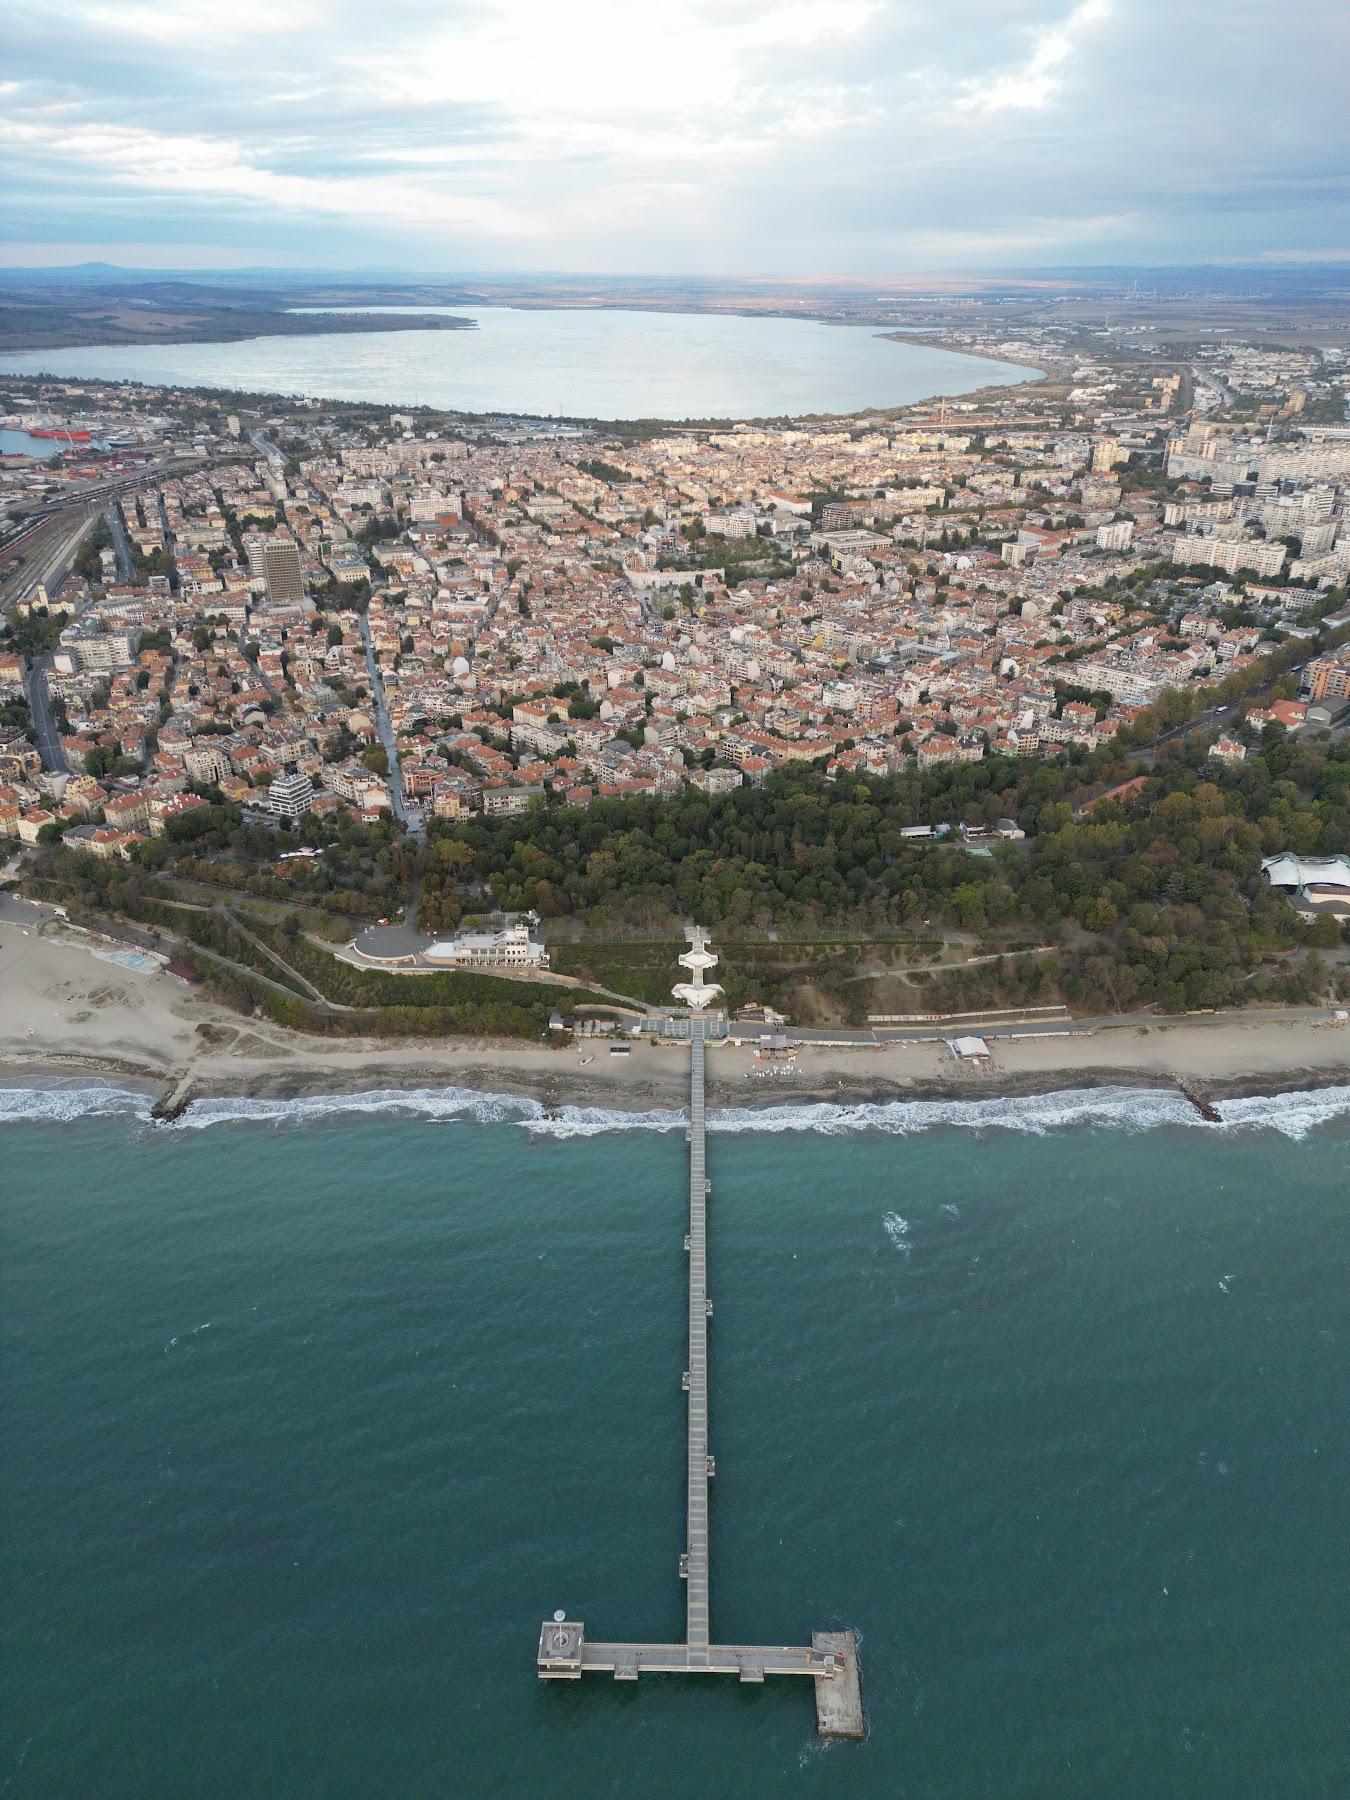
291 795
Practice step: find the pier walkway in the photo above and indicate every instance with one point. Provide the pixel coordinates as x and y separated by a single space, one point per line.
696 1566
831 1657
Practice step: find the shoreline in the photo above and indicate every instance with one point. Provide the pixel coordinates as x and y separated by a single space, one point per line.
569 1088
935 341
68 1017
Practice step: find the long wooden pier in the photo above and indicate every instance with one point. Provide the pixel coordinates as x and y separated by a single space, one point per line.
831 1657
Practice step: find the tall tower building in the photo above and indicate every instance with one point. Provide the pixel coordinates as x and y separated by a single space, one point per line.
281 567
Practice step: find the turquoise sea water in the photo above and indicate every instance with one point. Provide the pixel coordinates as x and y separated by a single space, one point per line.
607 365
310 1417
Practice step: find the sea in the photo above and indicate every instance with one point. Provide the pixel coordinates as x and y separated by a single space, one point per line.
313 1410
574 363
23 443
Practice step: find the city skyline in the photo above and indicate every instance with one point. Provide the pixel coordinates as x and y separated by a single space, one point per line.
761 138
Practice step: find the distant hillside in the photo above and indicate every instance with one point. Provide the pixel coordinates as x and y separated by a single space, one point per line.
103 307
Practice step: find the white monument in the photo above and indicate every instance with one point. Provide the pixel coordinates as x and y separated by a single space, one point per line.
698 959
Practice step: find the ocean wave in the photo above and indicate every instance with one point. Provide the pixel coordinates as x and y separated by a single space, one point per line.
1105 1108
897 1230
590 1121
1293 1114
61 1105
303 1109
1111 1108
1117 1108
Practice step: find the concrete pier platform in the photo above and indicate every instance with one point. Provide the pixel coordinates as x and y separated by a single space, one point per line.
839 1712
831 1660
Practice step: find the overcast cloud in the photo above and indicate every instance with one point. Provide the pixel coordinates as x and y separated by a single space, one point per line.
710 136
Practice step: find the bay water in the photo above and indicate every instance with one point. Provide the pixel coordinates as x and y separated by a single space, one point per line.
578 363
314 1410
23 443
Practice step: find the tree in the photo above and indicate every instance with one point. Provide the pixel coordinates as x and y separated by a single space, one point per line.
1099 914
1324 933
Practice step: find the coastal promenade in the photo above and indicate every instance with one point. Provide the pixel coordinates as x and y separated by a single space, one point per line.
831 1657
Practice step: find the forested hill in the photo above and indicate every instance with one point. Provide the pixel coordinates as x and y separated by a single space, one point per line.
1154 897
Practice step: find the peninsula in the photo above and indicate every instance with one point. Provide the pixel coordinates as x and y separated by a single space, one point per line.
46 315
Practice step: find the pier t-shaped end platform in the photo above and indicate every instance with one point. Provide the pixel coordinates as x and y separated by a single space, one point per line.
560 1643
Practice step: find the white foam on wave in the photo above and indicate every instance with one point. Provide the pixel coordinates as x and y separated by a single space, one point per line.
427 1103
61 1105
1111 1108
590 1121
1105 1108
1293 1114
174 1341
897 1230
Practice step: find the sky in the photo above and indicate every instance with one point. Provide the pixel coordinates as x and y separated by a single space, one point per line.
715 137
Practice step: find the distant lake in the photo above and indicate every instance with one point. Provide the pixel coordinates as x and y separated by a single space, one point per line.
583 364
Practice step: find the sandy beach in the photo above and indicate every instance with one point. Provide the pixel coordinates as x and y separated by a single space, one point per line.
65 1011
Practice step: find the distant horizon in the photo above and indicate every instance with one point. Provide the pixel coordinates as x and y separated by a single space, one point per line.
1268 263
